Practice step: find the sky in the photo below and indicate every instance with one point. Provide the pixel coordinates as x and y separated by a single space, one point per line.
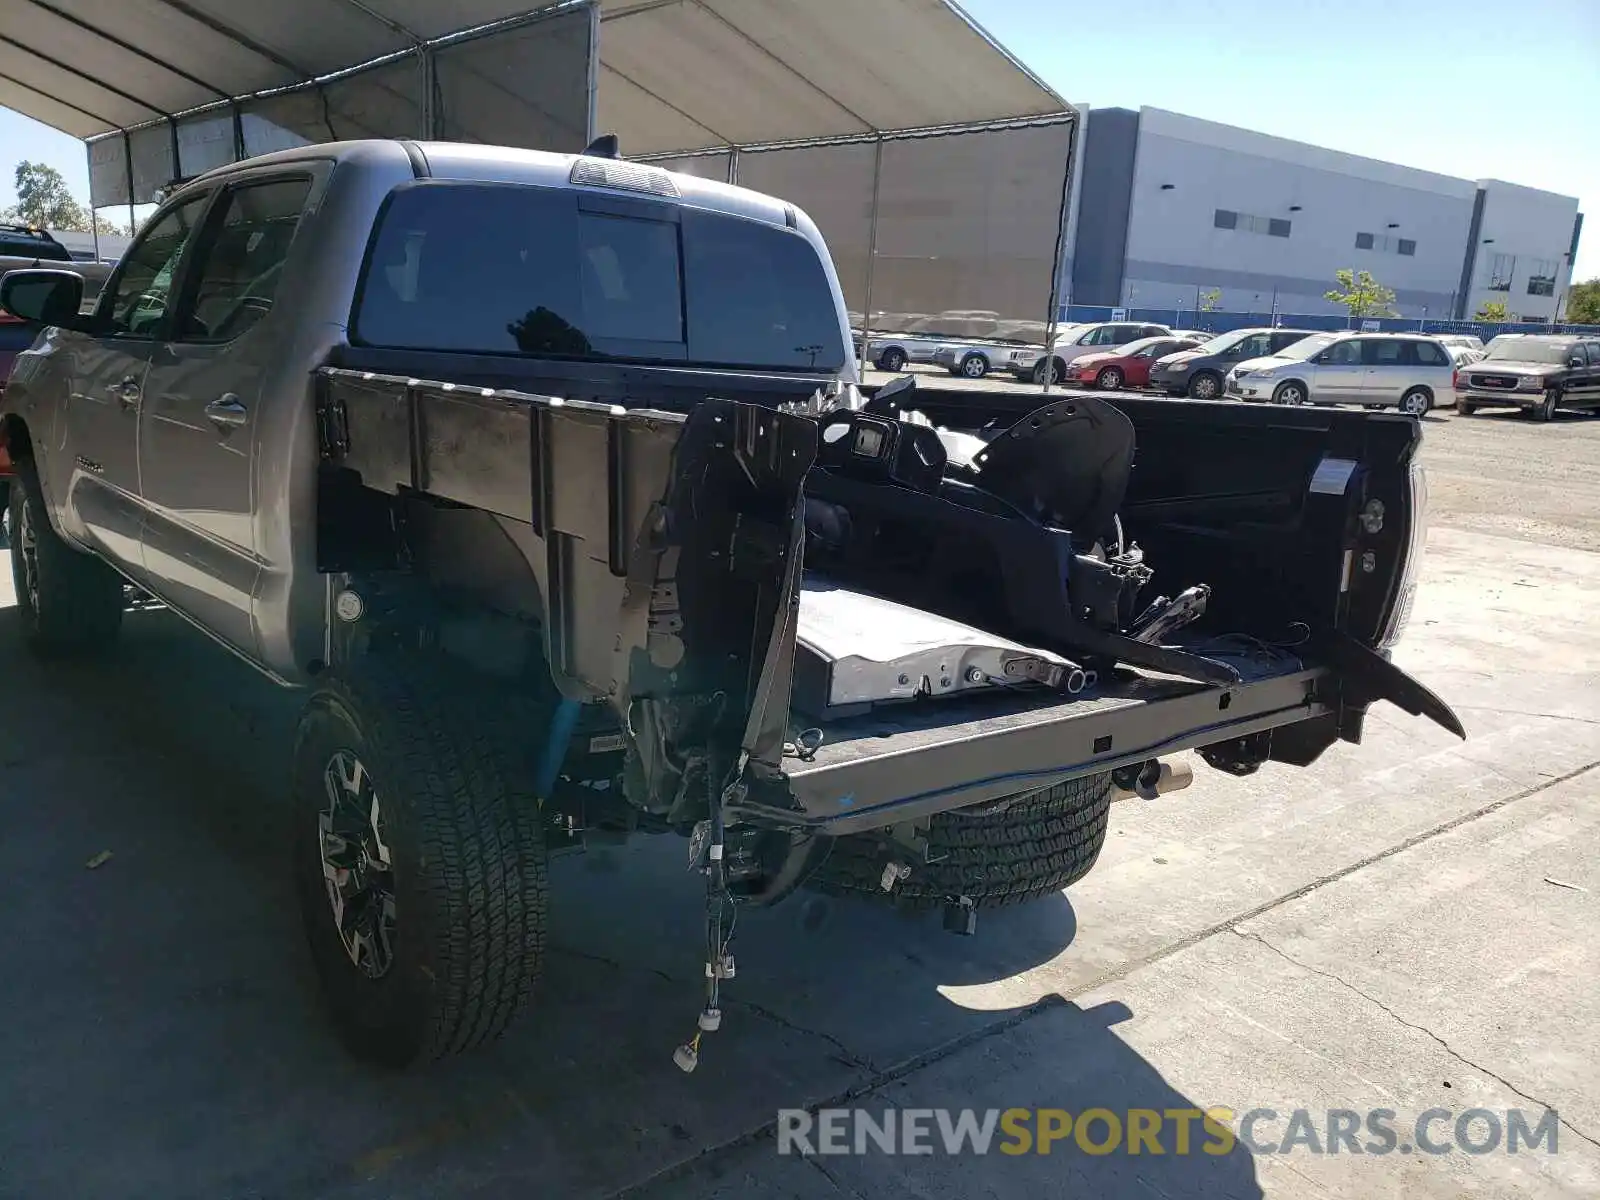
1475 88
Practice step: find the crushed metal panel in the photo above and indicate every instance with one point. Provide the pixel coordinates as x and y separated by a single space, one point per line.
694 61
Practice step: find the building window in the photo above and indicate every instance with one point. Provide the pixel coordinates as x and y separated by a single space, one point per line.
1542 277
1501 267
1244 222
1386 244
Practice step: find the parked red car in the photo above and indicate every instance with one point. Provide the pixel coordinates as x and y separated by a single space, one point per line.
1126 366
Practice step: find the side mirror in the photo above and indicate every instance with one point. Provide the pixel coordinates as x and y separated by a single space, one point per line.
44 298
1577 362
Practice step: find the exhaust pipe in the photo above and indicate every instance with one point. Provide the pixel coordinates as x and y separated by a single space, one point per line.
1151 779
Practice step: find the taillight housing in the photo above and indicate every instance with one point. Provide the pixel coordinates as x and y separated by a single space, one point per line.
1455 379
1416 542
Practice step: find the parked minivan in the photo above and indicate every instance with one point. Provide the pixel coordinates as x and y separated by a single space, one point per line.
1408 371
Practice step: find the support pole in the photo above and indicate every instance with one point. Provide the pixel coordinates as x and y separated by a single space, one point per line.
733 165
872 252
127 161
594 71
1053 317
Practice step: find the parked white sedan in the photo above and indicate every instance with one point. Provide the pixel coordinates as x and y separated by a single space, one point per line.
1378 370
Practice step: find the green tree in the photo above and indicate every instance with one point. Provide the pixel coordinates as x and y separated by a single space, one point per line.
1211 300
1492 310
1583 303
44 201
1363 295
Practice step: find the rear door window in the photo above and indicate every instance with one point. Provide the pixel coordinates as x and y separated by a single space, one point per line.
1383 352
1429 354
501 269
240 260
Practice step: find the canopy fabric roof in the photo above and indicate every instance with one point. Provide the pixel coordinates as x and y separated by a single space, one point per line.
674 75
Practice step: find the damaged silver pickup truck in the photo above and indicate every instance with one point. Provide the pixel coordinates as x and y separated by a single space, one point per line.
548 478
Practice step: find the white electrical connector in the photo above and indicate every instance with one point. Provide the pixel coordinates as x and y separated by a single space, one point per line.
893 873
686 1057
710 1020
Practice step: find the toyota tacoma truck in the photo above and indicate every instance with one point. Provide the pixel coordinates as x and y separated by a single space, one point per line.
548 479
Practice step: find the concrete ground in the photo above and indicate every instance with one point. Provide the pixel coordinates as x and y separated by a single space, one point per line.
1409 924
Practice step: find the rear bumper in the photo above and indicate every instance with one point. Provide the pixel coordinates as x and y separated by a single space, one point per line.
907 764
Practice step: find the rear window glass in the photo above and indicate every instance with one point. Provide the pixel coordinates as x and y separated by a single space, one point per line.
563 273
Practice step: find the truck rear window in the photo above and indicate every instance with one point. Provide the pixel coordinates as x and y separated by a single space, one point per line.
565 273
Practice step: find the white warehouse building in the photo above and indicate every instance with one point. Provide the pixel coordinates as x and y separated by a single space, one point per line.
1169 208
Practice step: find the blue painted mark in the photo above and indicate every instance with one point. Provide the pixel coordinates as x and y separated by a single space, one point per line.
847 800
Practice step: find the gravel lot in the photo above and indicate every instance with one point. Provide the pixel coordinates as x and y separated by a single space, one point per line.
1408 924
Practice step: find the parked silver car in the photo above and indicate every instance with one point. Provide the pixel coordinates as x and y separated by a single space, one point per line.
1074 342
974 360
1378 370
893 351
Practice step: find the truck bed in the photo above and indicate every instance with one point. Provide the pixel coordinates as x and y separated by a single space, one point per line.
584 476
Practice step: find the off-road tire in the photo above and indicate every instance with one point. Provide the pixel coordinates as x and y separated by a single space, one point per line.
74 607
469 868
1040 845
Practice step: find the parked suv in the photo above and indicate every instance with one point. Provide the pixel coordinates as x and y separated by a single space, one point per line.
974 360
1074 343
1386 370
892 351
1533 372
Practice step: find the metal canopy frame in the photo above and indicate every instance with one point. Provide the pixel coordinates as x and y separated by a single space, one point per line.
789 74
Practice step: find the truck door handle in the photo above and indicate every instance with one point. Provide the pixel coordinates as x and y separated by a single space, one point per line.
227 412
126 390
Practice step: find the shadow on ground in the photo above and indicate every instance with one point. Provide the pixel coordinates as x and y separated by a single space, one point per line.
164 1038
